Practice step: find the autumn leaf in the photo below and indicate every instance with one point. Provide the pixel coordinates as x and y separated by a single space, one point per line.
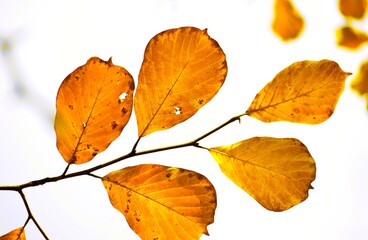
182 70
351 38
93 105
276 172
162 202
304 92
360 82
17 234
287 22
353 8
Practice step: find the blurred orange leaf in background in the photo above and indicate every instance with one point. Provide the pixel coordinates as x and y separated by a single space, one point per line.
304 92
276 172
182 70
287 22
17 234
360 82
353 8
350 37
161 202
93 105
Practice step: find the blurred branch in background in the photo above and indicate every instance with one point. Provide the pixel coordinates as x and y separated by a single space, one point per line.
19 84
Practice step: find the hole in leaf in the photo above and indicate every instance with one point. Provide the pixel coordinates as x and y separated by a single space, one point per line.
177 110
122 97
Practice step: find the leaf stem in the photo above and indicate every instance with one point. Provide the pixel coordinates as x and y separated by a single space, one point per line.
66 170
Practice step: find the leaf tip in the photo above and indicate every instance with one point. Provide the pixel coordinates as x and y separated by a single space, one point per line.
110 61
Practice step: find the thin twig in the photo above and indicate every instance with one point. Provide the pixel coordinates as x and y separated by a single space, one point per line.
133 153
30 215
194 143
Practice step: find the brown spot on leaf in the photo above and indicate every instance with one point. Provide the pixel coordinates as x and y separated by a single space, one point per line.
113 125
127 209
200 177
71 106
124 111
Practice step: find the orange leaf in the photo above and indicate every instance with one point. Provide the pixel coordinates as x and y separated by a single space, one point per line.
353 8
360 82
93 105
162 202
182 70
350 37
304 92
276 172
17 234
287 21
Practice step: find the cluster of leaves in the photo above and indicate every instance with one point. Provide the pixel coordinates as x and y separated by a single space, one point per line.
182 70
348 36
288 25
353 39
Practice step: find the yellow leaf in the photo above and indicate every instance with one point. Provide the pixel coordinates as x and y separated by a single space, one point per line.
182 70
360 82
93 105
17 234
350 37
287 21
276 172
353 8
162 202
304 92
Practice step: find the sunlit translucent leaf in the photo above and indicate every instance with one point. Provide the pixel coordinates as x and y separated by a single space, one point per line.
162 202
353 8
93 105
276 172
304 92
17 234
360 82
287 21
181 71
351 38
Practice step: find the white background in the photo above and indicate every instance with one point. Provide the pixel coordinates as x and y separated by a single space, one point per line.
49 39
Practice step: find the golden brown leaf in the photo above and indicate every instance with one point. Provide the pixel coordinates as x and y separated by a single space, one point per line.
182 70
17 234
162 202
276 172
360 82
350 37
353 8
304 92
93 105
287 21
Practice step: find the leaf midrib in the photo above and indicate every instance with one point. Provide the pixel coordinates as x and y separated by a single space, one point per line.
171 89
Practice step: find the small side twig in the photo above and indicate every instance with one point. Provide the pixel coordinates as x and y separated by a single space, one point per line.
30 215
